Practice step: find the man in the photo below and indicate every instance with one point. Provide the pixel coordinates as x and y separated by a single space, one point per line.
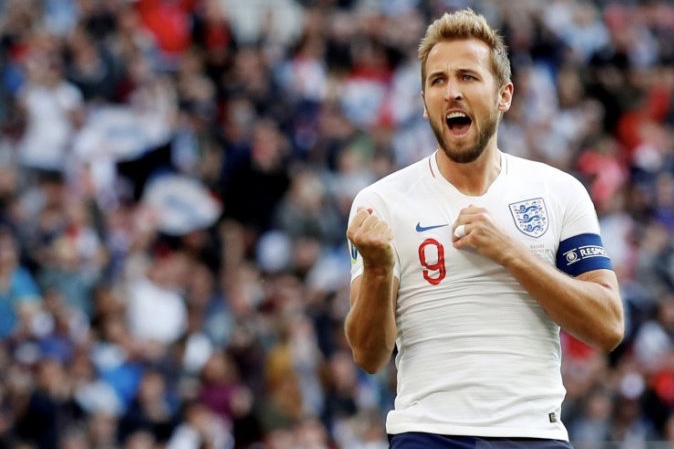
470 261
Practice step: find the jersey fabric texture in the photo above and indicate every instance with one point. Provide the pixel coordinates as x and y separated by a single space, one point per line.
477 355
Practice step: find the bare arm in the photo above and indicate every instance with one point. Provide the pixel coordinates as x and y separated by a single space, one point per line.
370 324
588 306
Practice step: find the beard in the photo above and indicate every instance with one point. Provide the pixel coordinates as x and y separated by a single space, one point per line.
470 154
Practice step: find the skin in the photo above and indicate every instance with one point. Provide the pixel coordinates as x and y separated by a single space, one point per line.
459 79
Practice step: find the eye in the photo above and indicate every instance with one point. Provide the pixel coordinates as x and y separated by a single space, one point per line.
437 81
467 77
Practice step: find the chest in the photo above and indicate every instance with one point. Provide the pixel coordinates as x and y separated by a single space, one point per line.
423 230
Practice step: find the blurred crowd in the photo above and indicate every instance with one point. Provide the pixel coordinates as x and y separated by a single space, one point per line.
175 181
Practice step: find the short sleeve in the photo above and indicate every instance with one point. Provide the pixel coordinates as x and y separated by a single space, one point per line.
367 198
581 248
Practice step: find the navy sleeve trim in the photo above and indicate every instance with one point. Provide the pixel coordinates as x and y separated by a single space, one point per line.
582 253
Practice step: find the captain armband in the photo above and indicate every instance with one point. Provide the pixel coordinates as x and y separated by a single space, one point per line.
582 253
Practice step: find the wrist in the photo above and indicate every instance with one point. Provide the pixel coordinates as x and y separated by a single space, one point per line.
516 258
378 269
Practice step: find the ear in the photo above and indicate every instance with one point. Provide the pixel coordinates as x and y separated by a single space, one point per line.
423 101
505 97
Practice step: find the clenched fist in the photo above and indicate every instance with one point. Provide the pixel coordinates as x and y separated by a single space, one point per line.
372 237
475 228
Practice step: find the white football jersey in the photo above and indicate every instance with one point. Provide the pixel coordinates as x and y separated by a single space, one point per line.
477 355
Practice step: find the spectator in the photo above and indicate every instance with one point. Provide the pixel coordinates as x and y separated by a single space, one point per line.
156 311
152 410
51 410
200 428
52 106
19 293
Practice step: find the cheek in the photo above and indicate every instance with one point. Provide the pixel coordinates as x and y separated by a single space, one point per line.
431 107
434 104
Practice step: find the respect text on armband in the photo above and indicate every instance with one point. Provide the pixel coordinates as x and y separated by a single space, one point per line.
584 252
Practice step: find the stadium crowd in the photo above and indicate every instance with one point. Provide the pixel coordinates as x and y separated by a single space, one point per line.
175 180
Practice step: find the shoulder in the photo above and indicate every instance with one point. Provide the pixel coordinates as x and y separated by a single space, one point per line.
397 183
540 172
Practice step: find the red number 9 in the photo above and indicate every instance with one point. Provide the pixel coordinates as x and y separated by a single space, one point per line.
434 272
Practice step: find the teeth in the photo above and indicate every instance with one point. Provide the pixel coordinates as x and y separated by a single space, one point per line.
456 115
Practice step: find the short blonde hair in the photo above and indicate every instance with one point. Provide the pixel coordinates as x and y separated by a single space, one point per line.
466 24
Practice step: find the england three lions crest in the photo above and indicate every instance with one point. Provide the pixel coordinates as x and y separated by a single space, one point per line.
530 216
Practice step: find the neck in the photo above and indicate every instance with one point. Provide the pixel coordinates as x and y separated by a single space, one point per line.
474 178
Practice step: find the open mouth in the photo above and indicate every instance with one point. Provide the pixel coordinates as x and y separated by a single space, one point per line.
458 122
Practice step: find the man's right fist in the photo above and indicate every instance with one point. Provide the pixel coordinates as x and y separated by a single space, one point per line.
372 237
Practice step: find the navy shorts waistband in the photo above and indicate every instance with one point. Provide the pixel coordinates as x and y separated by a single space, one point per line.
421 440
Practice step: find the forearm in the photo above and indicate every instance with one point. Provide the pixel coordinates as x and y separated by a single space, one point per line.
370 325
588 306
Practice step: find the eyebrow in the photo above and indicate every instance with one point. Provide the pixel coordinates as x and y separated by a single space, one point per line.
435 74
461 71
468 71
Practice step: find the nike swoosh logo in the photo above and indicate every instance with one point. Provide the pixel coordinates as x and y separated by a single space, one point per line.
428 228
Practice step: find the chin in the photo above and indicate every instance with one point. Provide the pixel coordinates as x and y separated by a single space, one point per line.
465 156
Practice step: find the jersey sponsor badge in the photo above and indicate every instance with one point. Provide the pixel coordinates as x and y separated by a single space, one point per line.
531 216
354 253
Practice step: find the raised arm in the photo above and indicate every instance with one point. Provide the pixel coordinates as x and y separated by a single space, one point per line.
370 324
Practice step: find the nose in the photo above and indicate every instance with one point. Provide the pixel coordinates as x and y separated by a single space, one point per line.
453 92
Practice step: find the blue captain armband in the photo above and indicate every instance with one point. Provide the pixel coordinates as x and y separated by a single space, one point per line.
582 253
